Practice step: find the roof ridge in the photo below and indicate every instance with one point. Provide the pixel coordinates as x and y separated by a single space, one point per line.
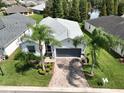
68 32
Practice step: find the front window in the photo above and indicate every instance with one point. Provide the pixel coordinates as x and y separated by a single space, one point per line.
31 49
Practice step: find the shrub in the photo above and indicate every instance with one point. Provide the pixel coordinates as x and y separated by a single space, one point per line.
22 66
6 57
47 69
20 56
26 56
99 82
42 72
31 56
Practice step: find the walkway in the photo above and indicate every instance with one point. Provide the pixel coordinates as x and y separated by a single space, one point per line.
67 73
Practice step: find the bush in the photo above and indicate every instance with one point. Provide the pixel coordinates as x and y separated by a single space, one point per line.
31 56
99 82
20 56
25 57
42 72
47 69
22 66
6 57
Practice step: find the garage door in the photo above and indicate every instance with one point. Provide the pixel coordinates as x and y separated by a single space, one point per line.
68 52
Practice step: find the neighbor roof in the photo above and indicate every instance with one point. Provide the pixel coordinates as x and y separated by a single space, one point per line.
15 25
9 2
111 24
16 9
62 28
40 7
30 2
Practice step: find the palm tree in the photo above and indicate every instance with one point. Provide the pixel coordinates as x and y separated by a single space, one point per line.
42 34
98 40
78 40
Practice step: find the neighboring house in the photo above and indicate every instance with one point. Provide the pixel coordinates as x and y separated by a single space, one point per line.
9 2
29 3
12 28
64 31
113 25
39 8
17 9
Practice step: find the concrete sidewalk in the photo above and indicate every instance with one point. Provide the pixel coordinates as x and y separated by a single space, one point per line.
27 89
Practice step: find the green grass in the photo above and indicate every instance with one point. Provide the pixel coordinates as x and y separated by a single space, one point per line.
29 78
37 17
109 67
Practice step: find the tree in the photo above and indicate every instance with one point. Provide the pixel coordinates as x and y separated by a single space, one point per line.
77 41
66 8
110 7
83 9
99 39
49 8
57 8
89 7
42 34
2 4
74 13
121 9
104 9
116 3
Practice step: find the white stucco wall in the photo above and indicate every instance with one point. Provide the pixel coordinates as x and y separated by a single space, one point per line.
12 47
89 27
31 43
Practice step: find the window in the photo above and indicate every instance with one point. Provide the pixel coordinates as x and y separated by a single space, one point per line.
31 49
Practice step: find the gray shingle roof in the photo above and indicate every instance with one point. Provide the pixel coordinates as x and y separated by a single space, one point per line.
1 24
15 25
9 2
111 24
16 9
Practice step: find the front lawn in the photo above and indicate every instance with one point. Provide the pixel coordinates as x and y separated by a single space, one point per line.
37 17
31 77
109 67
26 77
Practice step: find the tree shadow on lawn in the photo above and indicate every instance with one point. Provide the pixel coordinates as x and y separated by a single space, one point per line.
74 72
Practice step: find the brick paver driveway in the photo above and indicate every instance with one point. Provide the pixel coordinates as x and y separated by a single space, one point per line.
67 73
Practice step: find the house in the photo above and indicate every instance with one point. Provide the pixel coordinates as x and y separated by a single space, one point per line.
9 2
29 3
12 28
64 31
39 8
17 9
113 25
